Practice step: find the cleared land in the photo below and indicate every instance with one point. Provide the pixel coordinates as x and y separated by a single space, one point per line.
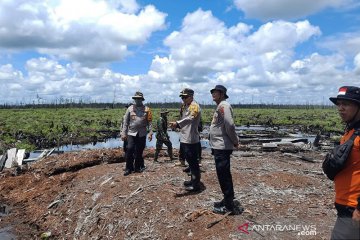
84 195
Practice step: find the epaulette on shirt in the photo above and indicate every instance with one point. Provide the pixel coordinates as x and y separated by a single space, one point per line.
194 109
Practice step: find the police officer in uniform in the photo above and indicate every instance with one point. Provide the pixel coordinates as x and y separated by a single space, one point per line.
162 136
223 140
137 121
189 136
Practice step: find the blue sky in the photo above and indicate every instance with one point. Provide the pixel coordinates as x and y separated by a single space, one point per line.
263 51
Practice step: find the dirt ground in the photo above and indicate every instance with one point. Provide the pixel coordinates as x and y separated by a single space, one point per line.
84 195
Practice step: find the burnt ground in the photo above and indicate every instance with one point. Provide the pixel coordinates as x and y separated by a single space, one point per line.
84 195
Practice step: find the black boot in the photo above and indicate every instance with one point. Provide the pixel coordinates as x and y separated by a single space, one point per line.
170 153
187 183
219 204
156 156
195 186
127 172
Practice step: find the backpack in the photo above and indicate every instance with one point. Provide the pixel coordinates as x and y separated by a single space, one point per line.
335 160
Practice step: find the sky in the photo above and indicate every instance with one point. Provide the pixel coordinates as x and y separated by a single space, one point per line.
262 51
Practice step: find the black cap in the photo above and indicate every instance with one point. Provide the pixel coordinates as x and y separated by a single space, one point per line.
350 93
138 95
220 88
186 92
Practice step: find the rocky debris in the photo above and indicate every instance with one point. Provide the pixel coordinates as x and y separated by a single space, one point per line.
84 195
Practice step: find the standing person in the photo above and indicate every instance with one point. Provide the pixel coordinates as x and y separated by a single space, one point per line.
137 121
162 136
189 136
347 181
223 140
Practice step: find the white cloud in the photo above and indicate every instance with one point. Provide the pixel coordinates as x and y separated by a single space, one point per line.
345 43
256 63
86 31
260 63
8 73
199 48
285 9
203 54
280 35
357 64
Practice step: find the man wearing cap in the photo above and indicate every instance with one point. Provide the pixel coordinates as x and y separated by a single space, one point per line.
137 121
347 181
189 136
223 140
162 136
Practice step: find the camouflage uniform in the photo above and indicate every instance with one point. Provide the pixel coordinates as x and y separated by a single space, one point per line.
162 136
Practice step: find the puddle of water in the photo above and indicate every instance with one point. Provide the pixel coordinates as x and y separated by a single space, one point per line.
4 210
117 142
5 234
174 138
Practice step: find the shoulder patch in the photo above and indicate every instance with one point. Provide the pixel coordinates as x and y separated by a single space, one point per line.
222 110
149 113
194 109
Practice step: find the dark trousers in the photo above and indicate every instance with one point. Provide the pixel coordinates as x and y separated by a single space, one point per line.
159 144
125 145
181 152
190 152
222 163
135 149
344 227
199 151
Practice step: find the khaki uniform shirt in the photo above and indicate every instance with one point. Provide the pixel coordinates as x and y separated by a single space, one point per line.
137 120
189 122
222 128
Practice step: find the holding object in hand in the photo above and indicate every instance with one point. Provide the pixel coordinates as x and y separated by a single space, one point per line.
173 125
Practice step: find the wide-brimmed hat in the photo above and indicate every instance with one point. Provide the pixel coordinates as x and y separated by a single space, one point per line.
350 93
138 95
220 88
164 111
186 92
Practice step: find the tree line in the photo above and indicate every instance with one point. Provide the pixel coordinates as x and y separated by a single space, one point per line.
170 105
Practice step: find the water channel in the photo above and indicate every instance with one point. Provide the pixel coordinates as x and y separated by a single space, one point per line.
5 233
174 138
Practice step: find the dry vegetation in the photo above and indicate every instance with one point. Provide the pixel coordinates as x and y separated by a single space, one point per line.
84 195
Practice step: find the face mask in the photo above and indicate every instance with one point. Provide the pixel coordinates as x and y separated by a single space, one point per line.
138 102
